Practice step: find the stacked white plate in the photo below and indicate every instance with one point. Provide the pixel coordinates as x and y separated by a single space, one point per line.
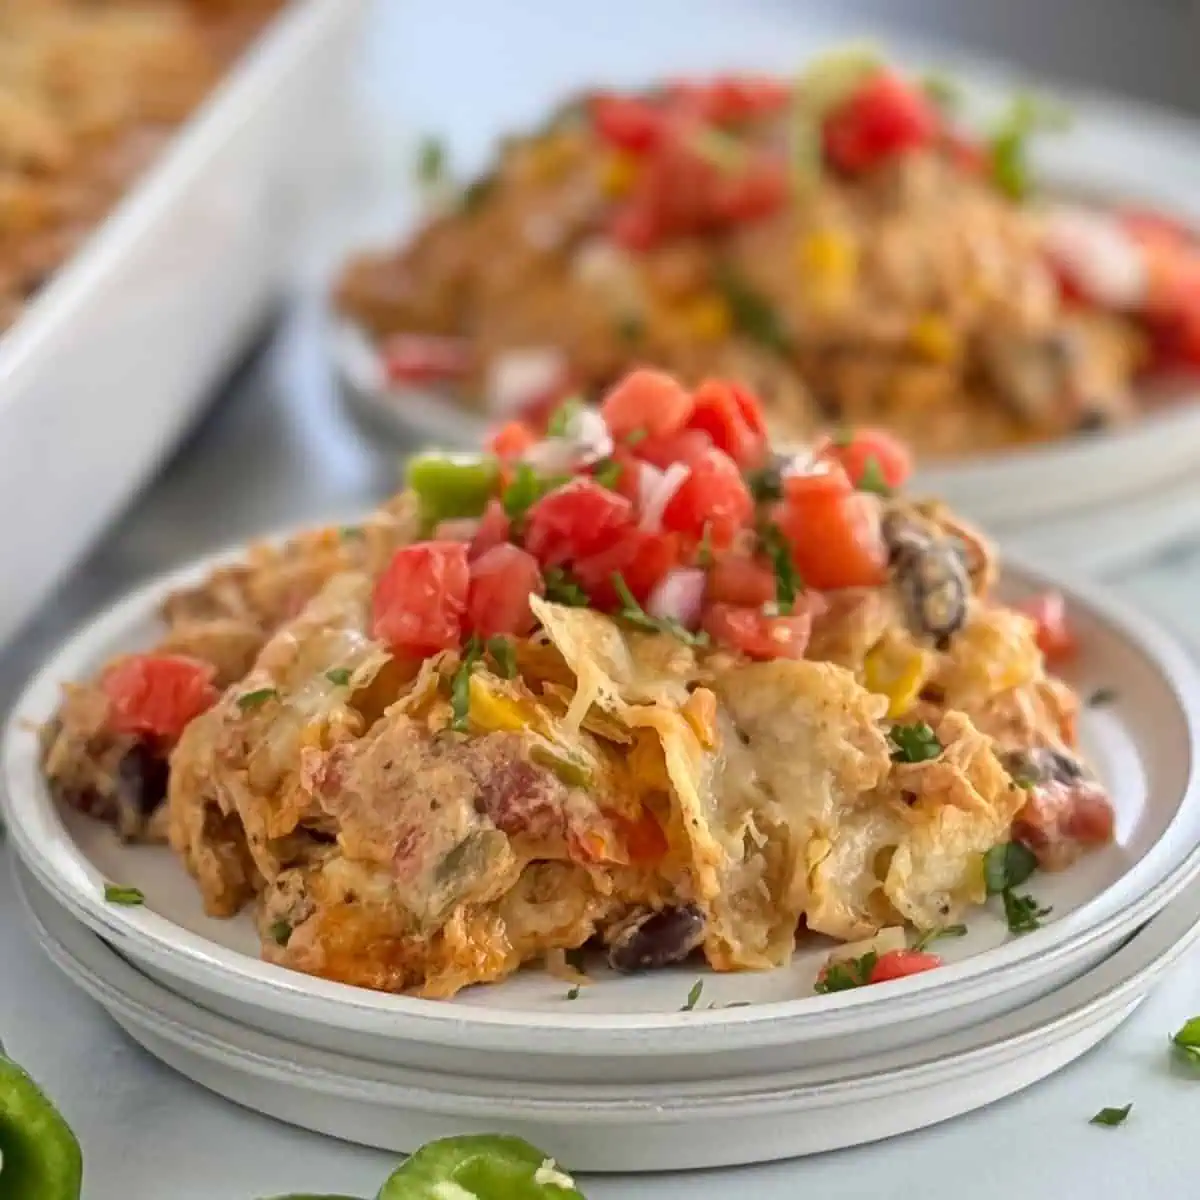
644 1073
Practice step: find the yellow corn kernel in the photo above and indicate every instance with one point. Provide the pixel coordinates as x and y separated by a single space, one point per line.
899 677
932 338
827 258
494 713
707 318
618 174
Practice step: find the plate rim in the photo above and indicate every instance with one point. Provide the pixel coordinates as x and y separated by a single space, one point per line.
178 951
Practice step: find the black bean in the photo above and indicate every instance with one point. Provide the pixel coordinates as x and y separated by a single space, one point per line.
142 780
931 576
1043 764
657 939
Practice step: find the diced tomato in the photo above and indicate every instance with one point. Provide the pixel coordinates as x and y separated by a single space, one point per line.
1058 821
635 226
890 455
425 358
714 497
886 117
1155 229
494 529
643 838
640 557
757 190
739 580
646 402
421 598
827 479
751 632
968 156
576 520
627 123
1055 638
502 580
730 99
629 469
836 540
157 694
899 964
511 440
687 447
732 417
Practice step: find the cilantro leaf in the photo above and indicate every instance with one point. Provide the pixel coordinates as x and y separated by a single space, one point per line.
563 588
573 993
787 579
847 974
636 435
256 699
766 484
872 479
115 893
943 90
281 932
932 935
1187 1039
752 314
460 686
632 613
431 162
1007 866
1111 1116
1101 697
503 655
562 417
631 328
524 490
693 996
1009 145
915 743
607 473
339 676
1022 912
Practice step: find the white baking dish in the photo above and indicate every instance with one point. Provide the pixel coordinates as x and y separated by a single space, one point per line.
104 371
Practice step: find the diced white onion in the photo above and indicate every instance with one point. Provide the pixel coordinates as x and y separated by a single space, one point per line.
550 1175
517 378
586 440
886 940
679 596
655 492
805 463
1097 255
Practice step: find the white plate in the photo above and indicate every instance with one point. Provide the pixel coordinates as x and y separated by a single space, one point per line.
108 366
1117 151
624 1127
1144 746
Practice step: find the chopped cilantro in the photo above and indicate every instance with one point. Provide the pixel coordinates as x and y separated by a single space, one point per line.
932 935
114 893
257 699
693 996
281 932
1007 866
431 162
787 579
636 435
752 313
563 588
1111 1116
704 550
350 533
1187 1040
842 439
1022 912
1009 145
568 770
847 974
915 743
460 686
1102 697
632 613
766 484
573 993
339 676
943 90
503 655
526 489
872 478
607 473
562 417
631 329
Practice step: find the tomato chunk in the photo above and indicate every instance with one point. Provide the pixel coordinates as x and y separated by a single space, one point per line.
511 440
639 556
627 123
742 581
827 479
836 540
891 458
646 402
1055 638
643 837
752 632
502 580
732 417
493 529
884 118
730 99
425 358
713 497
421 598
687 447
899 964
1060 820
157 694
574 521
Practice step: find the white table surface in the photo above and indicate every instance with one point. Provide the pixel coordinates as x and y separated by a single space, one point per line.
277 450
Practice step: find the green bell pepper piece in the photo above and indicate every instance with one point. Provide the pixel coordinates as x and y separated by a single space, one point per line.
482 1167
448 488
39 1155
